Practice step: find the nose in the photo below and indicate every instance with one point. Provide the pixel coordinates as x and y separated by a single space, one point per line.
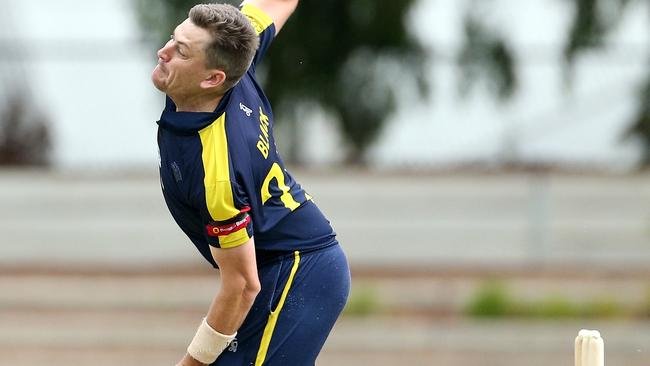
163 53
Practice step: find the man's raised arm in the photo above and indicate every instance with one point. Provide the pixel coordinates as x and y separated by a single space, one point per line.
278 10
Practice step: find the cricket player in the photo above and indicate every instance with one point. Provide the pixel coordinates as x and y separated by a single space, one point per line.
284 277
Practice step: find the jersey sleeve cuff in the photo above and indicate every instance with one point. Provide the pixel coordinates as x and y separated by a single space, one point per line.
260 20
234 240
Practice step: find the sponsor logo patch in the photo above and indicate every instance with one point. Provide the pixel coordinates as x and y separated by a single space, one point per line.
217 229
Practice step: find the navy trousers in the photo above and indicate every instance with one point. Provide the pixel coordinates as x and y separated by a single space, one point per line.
302 295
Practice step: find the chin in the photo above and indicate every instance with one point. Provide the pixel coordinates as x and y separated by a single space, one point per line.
159 84
158 80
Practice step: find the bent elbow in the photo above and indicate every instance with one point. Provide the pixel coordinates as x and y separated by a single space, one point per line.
250 291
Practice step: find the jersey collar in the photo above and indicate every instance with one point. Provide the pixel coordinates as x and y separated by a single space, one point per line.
187 123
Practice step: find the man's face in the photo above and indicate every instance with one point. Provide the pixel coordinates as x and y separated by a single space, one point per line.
181 62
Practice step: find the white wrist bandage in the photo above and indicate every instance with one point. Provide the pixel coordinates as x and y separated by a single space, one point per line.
208 344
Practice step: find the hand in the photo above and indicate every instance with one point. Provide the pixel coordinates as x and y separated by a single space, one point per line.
189 361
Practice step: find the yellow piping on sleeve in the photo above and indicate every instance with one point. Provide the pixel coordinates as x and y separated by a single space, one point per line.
257 16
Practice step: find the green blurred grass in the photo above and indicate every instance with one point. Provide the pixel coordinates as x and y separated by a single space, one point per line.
363 301
495 300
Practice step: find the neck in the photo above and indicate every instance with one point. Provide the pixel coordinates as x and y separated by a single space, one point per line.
199 103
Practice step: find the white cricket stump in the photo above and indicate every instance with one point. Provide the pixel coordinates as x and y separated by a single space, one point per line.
589 349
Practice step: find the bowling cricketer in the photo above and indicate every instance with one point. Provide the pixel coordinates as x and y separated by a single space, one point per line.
284 277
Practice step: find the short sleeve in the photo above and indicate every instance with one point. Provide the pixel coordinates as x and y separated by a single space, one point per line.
264 27
226 216
224 205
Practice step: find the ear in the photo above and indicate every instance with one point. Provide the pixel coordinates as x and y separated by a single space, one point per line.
215 79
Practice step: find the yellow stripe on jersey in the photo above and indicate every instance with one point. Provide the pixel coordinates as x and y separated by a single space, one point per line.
257 16
273 318
218 189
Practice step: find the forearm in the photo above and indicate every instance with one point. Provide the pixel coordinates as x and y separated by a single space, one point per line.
230 306
227 312
239 287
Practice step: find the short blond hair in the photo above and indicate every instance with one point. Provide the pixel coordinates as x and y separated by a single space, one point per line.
234 40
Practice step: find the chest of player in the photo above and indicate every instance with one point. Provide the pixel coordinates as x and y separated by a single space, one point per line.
180 166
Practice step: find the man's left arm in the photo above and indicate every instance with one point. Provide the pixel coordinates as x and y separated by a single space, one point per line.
278 10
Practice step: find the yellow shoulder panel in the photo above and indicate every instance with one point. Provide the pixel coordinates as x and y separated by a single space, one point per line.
218 189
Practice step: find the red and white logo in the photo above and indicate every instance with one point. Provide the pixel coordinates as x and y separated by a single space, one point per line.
214 229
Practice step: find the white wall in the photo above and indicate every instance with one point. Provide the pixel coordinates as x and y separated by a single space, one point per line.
544 122
89 72
91 76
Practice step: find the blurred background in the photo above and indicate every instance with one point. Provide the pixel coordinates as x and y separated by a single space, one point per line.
483 162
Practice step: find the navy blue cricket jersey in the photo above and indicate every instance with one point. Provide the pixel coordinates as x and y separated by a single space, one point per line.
222 178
